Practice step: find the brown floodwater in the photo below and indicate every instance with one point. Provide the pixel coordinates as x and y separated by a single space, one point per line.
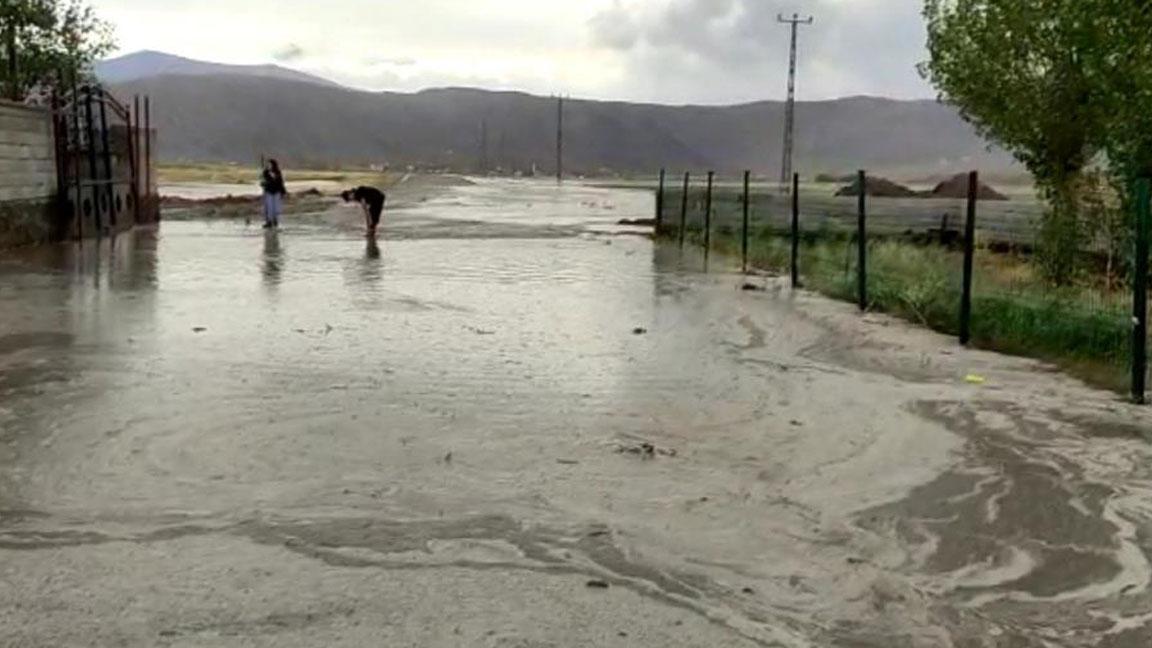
512 422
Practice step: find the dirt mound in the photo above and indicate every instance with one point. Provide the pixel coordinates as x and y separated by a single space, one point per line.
217 201
879 188
957 187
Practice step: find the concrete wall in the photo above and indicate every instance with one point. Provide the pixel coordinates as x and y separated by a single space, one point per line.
27 175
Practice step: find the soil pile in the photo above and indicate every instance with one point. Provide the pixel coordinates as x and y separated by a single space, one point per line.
879 188
957 187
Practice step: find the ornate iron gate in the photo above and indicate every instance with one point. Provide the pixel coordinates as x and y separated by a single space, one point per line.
103 163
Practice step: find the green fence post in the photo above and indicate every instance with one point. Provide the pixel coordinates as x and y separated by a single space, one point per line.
660 203
795 230
969 258
862 240
708 216
684 208
744 244
1140 295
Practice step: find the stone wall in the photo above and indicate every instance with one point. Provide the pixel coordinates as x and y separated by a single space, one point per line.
27 175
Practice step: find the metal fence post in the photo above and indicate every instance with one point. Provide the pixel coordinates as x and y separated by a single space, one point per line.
1140 294
744 236
660 203
684 207
152 215
708 216
795 230
90 141
106 154
862 240
969 258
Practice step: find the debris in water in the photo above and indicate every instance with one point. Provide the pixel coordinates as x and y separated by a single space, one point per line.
639 330
479 331
199 329
796 423
748 287
448 458
975 379
645 450
637 222
598 584
856 561
748 590
567 462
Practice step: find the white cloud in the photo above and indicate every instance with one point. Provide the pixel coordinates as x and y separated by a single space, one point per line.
698 51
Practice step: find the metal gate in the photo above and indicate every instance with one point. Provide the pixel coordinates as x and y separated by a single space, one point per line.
103 163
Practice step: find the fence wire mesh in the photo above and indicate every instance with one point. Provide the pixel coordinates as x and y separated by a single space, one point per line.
1079 316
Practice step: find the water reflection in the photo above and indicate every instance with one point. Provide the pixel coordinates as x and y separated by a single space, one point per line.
273 259
372 251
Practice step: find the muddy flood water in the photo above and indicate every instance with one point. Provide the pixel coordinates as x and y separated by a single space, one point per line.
513 423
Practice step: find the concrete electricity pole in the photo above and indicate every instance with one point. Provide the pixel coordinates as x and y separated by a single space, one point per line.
790 111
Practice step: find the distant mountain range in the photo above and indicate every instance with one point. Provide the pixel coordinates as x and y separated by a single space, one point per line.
212 112
147 64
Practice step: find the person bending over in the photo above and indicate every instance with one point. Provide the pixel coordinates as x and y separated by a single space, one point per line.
371 200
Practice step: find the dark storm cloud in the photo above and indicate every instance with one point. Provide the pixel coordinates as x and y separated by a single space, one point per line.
736 49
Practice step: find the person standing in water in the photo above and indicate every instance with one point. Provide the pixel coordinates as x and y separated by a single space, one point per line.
372 201
272 182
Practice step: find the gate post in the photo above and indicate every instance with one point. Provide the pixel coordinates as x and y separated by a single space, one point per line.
89 131
109 185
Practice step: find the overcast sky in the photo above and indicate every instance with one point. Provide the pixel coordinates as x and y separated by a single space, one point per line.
668 51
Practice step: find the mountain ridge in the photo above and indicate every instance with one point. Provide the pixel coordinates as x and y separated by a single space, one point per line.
236 116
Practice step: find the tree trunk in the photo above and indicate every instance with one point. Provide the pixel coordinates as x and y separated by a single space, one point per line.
14 92
1061 230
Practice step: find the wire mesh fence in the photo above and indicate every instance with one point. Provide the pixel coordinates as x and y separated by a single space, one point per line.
894 250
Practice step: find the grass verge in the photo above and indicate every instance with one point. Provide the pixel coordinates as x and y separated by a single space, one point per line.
1083 329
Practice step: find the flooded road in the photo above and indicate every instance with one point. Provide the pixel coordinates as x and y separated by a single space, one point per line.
512 422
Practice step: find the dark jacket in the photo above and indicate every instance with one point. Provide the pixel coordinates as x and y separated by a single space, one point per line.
273 183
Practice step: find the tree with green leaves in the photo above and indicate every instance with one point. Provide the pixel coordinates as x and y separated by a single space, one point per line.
1016 70
1122 70
45 42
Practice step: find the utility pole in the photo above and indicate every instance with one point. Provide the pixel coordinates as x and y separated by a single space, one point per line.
484 146
790 111
560 139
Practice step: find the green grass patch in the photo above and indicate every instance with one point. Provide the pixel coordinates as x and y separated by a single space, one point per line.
1083 329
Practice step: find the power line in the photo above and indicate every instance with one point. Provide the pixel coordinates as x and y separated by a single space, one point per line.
790 111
